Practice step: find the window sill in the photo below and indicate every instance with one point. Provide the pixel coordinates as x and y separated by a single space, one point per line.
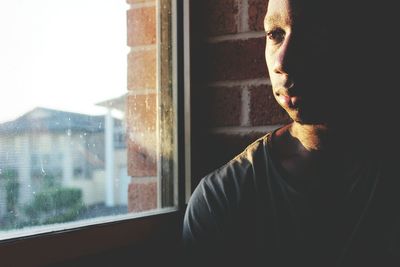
66 245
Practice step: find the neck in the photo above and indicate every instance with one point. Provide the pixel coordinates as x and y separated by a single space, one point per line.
313 138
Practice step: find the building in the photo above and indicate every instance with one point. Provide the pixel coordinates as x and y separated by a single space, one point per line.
116 170
46 147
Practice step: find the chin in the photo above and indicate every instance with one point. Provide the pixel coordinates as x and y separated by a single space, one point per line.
307 118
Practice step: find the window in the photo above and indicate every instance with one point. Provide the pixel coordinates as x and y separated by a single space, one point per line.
88 113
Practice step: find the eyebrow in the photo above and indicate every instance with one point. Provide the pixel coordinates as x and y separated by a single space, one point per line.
276 19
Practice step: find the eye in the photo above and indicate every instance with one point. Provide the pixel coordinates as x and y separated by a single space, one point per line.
276 35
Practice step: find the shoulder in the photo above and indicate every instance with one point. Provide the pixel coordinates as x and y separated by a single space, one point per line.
220 193
230 178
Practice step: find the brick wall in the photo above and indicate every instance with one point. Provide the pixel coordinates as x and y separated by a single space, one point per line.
142 105
232 103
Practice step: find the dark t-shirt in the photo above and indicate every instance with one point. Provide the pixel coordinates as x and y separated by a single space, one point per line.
248 213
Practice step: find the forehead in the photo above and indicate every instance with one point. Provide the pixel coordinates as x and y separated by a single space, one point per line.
294 11
279 12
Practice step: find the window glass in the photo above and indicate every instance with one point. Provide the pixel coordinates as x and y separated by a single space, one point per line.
87 112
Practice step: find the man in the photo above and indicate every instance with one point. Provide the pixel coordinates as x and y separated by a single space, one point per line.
317 192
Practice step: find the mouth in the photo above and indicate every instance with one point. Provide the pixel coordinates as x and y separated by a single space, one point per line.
287 99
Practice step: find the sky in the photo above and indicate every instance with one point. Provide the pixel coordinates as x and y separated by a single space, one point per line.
66 55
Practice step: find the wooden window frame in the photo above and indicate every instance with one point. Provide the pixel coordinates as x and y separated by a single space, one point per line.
59 247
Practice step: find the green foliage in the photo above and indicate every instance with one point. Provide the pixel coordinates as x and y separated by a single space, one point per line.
12 193
9 180
47 180
55 205
9 176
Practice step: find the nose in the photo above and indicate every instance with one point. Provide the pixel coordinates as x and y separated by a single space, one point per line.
284 57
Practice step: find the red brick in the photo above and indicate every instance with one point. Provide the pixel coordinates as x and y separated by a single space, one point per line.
220 16
142 69
256 11
142 112
225 106
141 129
264 110
141 26
236 60
142 154
142 195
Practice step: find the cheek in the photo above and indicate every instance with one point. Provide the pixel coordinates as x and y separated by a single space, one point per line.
274 93
270 68
268 60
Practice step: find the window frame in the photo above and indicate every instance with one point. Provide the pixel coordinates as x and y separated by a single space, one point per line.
62 246
65 245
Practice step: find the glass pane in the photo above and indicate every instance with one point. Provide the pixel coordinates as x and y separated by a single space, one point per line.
82 135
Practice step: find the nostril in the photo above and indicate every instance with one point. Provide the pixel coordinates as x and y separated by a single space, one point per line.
281 66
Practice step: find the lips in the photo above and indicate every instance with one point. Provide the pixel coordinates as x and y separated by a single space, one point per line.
287 99
284 100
